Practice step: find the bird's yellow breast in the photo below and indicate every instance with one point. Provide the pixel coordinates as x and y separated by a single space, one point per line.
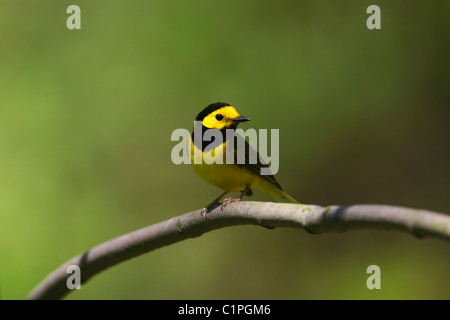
229 177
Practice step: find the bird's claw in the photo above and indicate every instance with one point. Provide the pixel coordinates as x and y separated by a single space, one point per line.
203 213
227 201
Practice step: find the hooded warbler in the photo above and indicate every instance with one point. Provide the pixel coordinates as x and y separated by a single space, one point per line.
231 177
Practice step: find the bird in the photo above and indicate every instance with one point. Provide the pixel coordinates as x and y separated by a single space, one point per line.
230 177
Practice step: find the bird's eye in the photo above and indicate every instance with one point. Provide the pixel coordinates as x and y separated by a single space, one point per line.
219 117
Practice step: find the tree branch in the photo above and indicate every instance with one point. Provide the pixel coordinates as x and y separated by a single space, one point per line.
312 218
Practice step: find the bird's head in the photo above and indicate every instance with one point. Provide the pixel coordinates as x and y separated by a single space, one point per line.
220 115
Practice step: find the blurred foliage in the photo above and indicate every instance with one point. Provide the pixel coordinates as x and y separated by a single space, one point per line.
86 117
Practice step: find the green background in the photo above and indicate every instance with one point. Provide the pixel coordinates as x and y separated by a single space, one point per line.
86 118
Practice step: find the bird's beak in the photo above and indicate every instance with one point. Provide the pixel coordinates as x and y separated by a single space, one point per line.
240 119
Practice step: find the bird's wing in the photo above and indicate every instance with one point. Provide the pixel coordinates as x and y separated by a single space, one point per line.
253 161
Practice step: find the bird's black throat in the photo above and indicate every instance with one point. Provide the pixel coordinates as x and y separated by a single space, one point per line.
206 144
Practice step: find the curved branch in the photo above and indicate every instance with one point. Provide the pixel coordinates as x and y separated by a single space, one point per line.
312 218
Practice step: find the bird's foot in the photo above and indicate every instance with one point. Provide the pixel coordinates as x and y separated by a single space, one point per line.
203 213
227 201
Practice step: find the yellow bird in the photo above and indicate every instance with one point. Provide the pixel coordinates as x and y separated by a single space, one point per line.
231 177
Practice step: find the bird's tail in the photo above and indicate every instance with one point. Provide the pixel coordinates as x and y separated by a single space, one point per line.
283 196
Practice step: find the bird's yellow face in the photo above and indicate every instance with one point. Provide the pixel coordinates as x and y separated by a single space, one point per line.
223 118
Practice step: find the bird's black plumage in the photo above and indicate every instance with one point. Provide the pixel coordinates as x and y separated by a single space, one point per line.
211 108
